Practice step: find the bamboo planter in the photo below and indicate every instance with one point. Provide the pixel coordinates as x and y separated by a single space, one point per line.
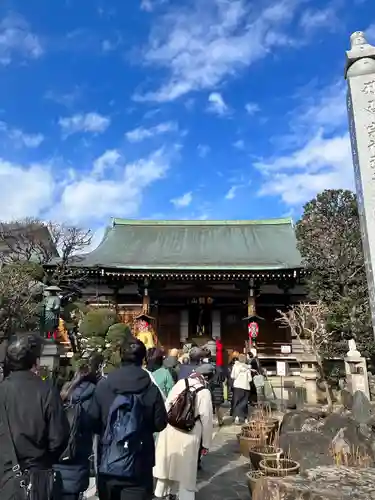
264 452
280 467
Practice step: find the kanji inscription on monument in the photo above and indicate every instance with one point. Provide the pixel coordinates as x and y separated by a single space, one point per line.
360 75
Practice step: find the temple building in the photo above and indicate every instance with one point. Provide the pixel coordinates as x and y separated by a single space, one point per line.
198 280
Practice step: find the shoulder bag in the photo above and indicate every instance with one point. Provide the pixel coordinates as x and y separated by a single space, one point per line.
18 484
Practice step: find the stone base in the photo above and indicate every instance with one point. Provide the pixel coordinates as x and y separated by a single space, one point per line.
356 375
328 483
51 354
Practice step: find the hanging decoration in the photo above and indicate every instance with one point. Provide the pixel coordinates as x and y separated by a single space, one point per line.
253 329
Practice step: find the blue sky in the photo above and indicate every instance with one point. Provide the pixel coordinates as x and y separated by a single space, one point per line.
176 109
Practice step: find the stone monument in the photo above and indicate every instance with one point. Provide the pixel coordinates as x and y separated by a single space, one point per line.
309 373
356 370
360 75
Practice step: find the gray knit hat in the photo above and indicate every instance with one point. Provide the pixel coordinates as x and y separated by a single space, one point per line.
206 369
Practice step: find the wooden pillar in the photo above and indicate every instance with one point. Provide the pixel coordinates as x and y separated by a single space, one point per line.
216 324
184 325
146 297
251 309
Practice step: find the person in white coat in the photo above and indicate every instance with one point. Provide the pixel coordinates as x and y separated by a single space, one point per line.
241 377
177 452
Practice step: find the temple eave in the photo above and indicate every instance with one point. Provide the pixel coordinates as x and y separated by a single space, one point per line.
206 275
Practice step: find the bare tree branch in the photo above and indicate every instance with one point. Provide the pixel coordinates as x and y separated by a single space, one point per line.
18 300
308 323
32 240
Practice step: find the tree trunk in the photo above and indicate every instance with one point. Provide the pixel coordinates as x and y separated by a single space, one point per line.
327 388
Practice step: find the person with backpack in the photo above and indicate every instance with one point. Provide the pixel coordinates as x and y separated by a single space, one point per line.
187 436
74 464
34 426
127 409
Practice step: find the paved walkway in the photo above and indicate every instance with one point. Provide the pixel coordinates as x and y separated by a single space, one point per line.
223 473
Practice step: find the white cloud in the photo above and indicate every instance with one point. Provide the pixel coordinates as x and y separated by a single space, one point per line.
315 154
150 5
108 160
325 108
85 198
322 163
316 167
20 138
231 194
89 122
16 40
321 108
315 19
183 201
217 104
26 191
239 145
89 199
140 134
108 46
67 99
203 45
203 150
320 155
252 108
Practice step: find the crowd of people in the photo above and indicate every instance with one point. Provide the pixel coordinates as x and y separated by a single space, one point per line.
147 423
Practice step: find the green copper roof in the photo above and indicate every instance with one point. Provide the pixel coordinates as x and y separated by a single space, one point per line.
132 222
197 245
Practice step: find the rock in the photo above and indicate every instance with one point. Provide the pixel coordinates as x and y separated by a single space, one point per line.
329 441
361 409
334 422
321 483
310 449
358 437
347 399
312 425
371 384
295 420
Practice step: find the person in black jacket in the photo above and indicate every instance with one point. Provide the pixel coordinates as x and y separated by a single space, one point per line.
75 475
216 386
37 421
131 378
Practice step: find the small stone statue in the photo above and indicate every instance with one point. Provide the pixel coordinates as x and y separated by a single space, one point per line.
52 303
353 352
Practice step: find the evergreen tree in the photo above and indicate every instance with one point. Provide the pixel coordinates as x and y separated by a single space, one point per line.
329 239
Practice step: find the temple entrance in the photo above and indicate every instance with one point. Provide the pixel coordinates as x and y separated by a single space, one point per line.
200 320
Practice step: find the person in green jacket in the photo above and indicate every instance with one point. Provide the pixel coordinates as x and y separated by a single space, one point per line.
160 374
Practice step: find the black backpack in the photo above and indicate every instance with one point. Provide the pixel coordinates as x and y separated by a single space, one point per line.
74 414
181 414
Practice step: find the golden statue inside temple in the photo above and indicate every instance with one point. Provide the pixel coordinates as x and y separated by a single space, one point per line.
144 330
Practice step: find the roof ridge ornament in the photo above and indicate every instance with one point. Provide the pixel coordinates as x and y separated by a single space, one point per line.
360 59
